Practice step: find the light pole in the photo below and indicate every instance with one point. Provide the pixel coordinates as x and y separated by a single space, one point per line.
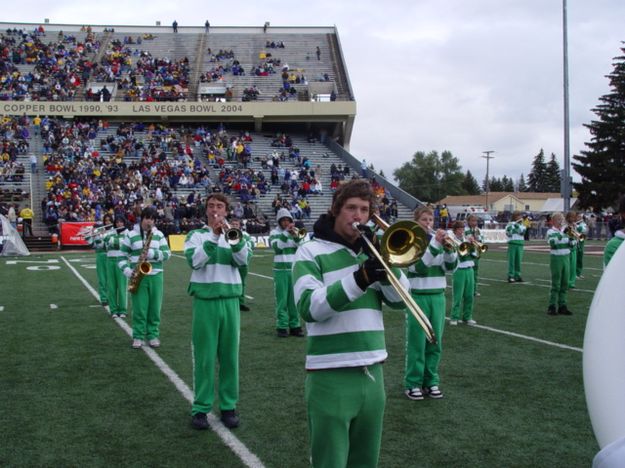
488 157
566 186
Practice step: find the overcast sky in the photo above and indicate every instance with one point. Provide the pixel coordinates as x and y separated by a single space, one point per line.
460 75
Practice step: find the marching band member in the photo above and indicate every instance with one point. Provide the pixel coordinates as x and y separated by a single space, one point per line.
215 287
98 243
339 291
473 234
284 243
559 264
463 286
116 282
147 300
515 231
571 219
619 236
243 269
582 231
427 286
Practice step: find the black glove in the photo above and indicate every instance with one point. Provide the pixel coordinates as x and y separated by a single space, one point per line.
370 272
367 232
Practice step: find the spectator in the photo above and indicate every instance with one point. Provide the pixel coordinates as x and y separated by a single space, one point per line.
174 25
27 219
207 25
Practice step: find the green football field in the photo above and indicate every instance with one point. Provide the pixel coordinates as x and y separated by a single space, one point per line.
74 393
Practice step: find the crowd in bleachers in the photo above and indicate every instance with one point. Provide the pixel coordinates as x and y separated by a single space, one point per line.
14 134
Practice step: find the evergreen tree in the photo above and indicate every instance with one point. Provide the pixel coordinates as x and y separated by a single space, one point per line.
602 166
553 175
430 177
496 185
470 185
507 184
522 187
537 178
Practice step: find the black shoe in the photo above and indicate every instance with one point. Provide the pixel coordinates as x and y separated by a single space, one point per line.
244 308
297 332
283 333
519 280
551 310
562 310
199 421
104 304
230 419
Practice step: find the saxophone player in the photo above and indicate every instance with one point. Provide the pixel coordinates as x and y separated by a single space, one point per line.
145 244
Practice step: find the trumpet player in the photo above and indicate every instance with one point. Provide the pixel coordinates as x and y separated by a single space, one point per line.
215 287
571 230
284 240
97 239
116 282
427 286
463 286
515 232
559 264
148 298
582 231
474 235
235 223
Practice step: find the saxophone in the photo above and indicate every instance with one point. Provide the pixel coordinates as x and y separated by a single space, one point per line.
143 267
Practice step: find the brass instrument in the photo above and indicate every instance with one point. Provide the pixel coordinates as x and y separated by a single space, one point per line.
298 233
233 235
571 231
390 247
480 247
142 268
89 231
463 248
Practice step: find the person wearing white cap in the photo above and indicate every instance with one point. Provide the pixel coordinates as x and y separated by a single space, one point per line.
284 242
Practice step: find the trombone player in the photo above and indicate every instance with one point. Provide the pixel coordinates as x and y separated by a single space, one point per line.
427 286
285 239
474 235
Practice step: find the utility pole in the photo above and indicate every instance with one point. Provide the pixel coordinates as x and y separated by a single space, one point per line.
488 157
566 195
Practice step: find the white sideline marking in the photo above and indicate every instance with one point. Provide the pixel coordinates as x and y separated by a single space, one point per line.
228 438
532 263
1 308
527 283
249 297
262 276
54 306
525 337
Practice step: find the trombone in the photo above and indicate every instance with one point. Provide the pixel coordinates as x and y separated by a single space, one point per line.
392 234
90 231
403 243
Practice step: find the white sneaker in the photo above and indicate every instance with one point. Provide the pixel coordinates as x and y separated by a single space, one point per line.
136 344
453 322
433 392
121 315
414 393
154 343
470 322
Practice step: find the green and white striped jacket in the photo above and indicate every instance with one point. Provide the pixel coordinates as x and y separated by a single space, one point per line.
113 243
427 276
284 246
559 243
344 323
215 264
131 246
476 233
99 242
514 232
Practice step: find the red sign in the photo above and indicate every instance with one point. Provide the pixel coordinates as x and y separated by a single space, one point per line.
71 233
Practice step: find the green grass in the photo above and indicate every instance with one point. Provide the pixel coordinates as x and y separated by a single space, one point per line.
73 392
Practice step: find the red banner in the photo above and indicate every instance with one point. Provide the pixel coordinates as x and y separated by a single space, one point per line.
71 233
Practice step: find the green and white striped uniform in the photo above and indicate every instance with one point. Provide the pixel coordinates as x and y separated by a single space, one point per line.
611 247
117 283
477 235
559 264
216 287
284 246
515 232
463 285
582 228
98 243
132 245
573 262
203 248
344 323
427 286
249 241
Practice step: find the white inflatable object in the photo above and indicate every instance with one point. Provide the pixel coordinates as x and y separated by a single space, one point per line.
604 354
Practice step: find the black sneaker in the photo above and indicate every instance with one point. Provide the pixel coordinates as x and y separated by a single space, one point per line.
563 310
297 332
519 280
230 419
282 333
551 310
199 421
244 308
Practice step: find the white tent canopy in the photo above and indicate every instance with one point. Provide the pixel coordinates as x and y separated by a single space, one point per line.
12 244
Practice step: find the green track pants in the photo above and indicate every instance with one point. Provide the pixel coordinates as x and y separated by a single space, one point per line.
423 357
572 267
463 289
286 311
215 334
515 257
243 272
117 286
560 269
580 259
345 414
146 307
101 268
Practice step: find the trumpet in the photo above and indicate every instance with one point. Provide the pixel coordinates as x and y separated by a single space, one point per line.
463 247
412 306
573 234
479 247
298 233
233 235
90 231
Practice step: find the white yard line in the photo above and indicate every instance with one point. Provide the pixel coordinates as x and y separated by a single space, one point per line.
227 437
527 283
532 263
